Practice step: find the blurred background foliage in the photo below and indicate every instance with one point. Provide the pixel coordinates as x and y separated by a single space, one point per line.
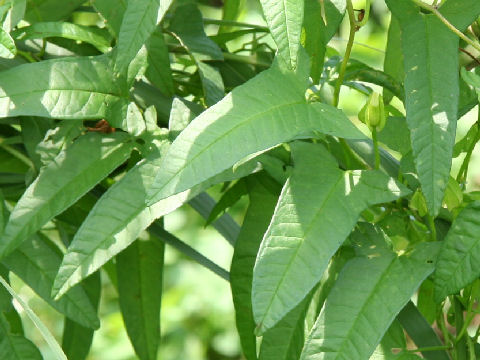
197 317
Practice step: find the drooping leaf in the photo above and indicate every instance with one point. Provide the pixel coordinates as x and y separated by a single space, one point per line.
112 11
36 262
267 110
364 301
158 69
102 235
87 34
187 26
77 339
66 88
257 218
63 181
47 335
139 273
309 226
138 23
285 18
431 95
8 50
50 10
393 63
231 196
460 253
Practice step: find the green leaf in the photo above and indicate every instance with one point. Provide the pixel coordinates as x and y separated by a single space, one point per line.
52 343
139 22
33 132
432 92
368 295
394 338
460 13
257 218
158 71
267 110
229 198
285 18
8 49
112 11
77 339
309 226
232 11
119 217
50 10
393 63
421 332
36 262
456 265
181 115
62 182
396 135
187 26
16 347
66 88
139 273
87 34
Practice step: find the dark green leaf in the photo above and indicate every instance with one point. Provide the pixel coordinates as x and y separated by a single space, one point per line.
231 196
112 11
50 10
393 63
139 273
319 201
158 69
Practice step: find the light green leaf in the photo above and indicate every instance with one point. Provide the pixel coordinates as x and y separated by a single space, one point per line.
232 11
50 10
119 217
366 298
285 18
460 253
181 115
66 88
112 11
139 22
62 182
257 218
47 335
77 339
36 262
431 96
139 273
91 35
317 209
187 26
267 110
7 45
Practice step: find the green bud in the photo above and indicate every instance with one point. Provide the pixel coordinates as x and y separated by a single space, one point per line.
373 112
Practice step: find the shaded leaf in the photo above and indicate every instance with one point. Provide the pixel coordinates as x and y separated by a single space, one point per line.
229 198
317 209
158 70
139 274
393 63
50 10
112 11
62 182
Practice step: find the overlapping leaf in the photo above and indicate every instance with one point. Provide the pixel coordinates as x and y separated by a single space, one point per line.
112 11
364 301
139 274
284 18
67 88
267 110
50 10
317 209
457 264
62 182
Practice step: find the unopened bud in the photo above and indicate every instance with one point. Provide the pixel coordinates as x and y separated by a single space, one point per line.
373 112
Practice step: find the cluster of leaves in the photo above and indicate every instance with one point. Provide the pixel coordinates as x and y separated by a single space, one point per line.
340 232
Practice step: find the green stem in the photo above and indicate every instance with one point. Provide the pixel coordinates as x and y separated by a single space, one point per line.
433 229
471 349
437 13
366 15
251 60
375 148
460 344
462 173
260 28
348 51
430 348
17 154
26 55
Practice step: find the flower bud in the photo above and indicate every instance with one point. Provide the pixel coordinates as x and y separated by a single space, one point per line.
373 112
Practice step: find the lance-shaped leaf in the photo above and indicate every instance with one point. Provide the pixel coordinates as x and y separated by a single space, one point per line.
62 182
138 23
431 96
317 209
36 262
112 11
91 35
66 88
257 218
119 217
158 69
15 346
267 110
393 63
77 339
366 298
457 264
285 18
139 271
